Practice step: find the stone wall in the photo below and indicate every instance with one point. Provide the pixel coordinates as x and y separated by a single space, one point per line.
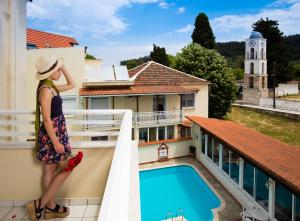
260 84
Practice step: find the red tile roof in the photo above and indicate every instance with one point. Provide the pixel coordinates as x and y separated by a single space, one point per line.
152 73
151 78
281 161
135 90
45 40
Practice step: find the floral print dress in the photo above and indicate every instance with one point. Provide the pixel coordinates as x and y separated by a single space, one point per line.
46 151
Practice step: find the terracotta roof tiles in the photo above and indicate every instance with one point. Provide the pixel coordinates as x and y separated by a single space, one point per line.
278 159
152 73
131 90
45 40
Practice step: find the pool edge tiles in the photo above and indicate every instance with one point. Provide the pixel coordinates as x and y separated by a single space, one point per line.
215 211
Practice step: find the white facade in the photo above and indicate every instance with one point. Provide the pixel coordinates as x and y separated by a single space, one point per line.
256 56
286 89
12 53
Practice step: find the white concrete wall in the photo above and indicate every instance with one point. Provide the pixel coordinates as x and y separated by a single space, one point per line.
12 53
280 104
176 149
285 89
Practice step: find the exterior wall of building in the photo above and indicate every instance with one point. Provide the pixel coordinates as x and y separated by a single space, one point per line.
201 101
23 179
74 62
149 153
285 89
12 53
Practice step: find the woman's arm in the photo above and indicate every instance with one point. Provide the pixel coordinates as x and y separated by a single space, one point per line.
45 98
70 82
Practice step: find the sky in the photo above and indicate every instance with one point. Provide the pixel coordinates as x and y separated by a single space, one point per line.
115 30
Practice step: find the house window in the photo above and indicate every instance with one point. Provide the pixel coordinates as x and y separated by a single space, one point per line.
251 68
161 133
152 134
251 82
188 100
69 103
248 180
263 83
99 103
226 159
203 143
210 147
263 68
159 103
216 152
262 53
261 189
184 132
234 167
143 134
283 203
170 132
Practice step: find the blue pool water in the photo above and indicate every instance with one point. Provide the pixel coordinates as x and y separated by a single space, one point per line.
172 188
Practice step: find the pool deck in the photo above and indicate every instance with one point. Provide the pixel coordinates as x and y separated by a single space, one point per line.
232 209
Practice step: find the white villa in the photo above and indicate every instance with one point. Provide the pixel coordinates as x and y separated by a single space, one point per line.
129 121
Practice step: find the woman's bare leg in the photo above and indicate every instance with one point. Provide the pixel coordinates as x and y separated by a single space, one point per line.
55 184
48 176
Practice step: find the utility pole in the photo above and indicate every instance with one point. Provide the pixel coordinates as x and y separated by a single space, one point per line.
274 84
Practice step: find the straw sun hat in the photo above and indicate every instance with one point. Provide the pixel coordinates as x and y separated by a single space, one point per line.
47 65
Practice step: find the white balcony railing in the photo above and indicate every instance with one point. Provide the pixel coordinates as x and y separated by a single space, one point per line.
159 117
17 132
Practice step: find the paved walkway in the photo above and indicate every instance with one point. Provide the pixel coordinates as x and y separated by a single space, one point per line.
232 210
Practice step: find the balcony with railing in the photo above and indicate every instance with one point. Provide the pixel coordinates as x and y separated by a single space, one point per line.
106 164
157 118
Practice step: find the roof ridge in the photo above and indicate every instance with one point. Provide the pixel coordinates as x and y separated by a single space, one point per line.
53 34
138 66
136 74
179 71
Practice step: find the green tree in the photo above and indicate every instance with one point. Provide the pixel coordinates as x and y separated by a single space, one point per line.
276 51
210 65
203 33
132 63
90 57
159 55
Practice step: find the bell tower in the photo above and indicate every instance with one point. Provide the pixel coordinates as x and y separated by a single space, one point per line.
255 78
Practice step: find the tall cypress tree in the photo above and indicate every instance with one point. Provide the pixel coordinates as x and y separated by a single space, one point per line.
203 33
159 55
276 51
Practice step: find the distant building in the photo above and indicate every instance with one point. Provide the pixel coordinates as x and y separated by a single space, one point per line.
256 77
39 39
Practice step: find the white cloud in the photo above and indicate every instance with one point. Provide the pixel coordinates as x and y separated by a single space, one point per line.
164 5
240 25
180 10
96 18
113 54
185 29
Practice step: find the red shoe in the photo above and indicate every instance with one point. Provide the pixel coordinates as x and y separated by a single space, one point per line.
74 161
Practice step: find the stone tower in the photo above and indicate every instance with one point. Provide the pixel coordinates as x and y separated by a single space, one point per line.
256 77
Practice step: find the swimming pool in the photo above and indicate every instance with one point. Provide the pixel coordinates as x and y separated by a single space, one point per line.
174 188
